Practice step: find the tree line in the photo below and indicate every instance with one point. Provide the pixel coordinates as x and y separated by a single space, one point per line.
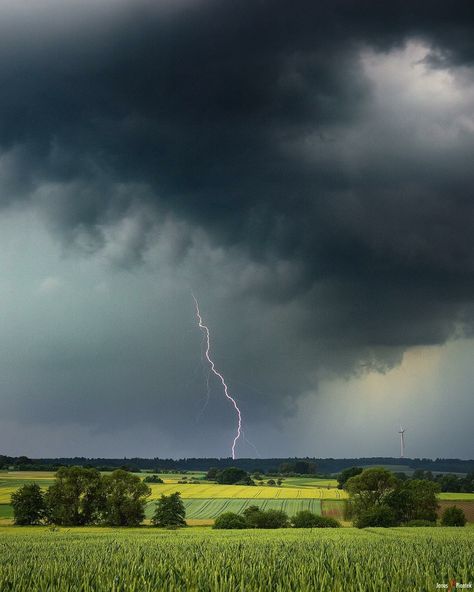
262 465
83 496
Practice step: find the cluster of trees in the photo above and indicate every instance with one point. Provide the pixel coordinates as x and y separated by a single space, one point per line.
298 467
236 476
447 482
254 517
229 476
81 496
153 479
379 498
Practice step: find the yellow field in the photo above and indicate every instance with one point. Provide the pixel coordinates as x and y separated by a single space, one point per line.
10 481
27 475
212 490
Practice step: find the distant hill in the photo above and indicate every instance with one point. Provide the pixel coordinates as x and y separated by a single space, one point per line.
323 465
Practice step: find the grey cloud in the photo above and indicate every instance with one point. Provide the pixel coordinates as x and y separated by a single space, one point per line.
247 150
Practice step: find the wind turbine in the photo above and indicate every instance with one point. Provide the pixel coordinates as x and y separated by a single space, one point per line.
401 431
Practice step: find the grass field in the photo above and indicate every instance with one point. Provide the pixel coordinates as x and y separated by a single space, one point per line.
205 560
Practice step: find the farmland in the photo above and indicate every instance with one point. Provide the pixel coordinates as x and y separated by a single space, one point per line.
212 490
202 559
212 507
204 501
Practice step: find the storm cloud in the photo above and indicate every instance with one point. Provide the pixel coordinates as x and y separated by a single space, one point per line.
306 170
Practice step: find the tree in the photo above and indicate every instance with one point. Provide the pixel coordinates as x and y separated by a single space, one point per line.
370 487
414 500
231 475
28 505
169 511
76 497
453 516
212 473
347 474
125 499
230 520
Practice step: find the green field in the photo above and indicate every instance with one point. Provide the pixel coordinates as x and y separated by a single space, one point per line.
467 497
199 559
308 482
211 508
6 511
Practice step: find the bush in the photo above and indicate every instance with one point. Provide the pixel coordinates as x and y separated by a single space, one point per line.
453 516
273 519
326 522
230 520
153 479
420 523
380 515
246 481
306 519
257 518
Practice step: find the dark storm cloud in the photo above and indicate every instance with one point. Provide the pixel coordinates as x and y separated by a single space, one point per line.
236 117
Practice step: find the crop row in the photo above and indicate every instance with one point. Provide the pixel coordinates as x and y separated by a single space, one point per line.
211 507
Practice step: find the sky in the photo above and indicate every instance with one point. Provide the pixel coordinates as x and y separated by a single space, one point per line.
305 171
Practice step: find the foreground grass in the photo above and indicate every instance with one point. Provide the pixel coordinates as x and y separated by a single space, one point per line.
104 559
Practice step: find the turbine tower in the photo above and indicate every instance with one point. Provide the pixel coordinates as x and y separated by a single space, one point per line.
401 431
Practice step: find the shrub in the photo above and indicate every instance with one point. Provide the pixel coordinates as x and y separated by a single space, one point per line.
420 523
306 519
246 481
230 520
257 518
326 522
453 516
253 516
273 519
380 515
153 479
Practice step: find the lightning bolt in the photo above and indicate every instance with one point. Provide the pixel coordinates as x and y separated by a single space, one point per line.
214 370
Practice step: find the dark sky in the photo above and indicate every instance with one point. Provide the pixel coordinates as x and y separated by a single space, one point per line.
306 171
